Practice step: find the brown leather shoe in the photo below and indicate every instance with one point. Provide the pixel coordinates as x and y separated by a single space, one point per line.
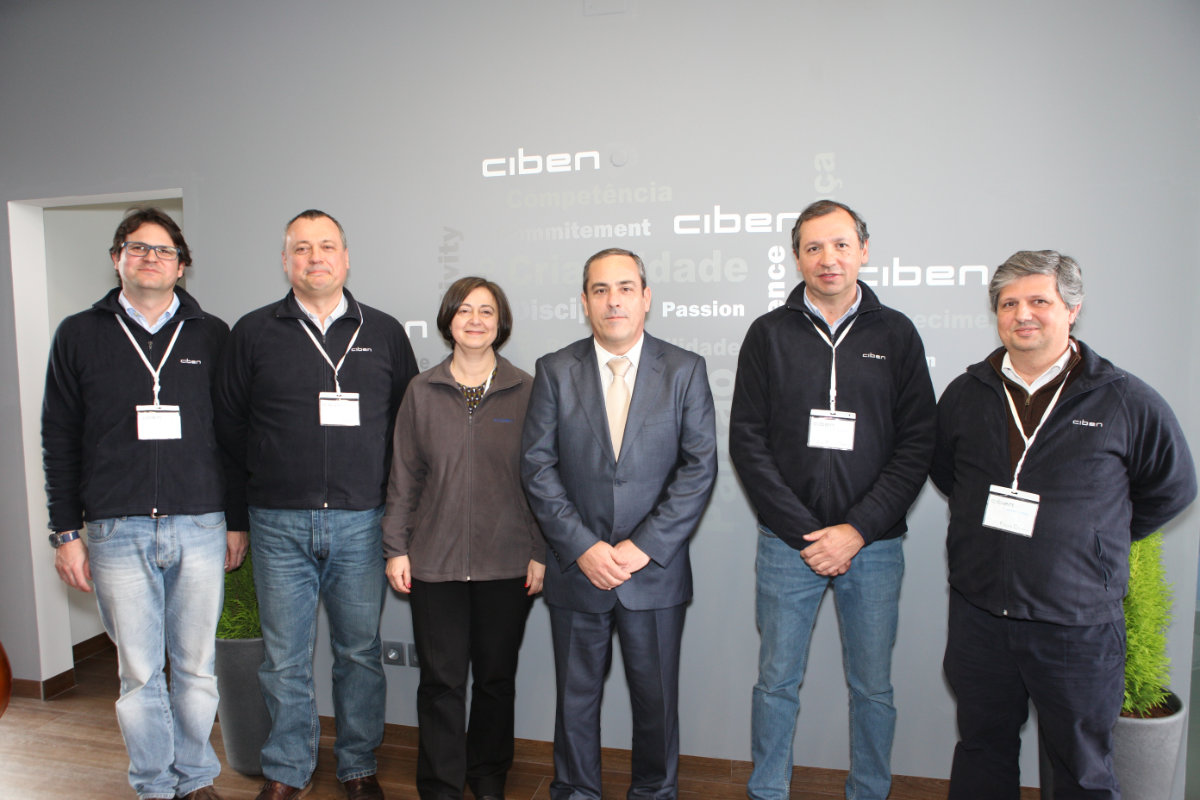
365 788
274 790
203 793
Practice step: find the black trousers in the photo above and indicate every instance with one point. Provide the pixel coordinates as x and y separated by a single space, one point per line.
461 626
1075 676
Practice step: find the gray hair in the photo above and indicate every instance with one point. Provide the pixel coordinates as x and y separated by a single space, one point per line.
1064 270
314 213
615 251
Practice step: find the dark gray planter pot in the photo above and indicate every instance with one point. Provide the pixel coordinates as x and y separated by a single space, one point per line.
245 722
1145 754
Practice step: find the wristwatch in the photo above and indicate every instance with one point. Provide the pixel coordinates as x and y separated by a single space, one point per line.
57 540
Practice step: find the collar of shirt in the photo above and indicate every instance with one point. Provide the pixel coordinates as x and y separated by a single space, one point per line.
634 354
850 312
333 316
1007 368
136 316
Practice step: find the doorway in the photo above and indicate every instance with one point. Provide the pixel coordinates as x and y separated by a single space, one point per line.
60 265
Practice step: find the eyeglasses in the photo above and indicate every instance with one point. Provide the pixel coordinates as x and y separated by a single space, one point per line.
141 250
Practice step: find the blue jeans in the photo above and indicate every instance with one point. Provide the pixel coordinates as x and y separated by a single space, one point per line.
788 596
159 586
336 557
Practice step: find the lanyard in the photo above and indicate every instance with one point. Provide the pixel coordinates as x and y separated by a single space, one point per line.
154 372
1021 429
336 384
833 365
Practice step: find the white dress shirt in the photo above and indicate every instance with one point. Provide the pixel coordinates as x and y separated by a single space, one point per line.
634 355
1050 374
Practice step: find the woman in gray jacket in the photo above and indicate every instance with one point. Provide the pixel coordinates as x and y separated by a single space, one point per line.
461 542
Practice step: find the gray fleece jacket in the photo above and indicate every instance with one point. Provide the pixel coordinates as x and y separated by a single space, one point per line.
455 505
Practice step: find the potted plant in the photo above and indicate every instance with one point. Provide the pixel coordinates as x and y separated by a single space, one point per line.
241 710
1149 732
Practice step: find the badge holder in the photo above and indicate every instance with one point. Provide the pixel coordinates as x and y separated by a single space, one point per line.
828 428
159 422
339 409
1011 510
1008 508
156 422
831 430
336 408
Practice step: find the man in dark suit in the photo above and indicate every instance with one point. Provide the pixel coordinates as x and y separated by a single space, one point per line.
619 461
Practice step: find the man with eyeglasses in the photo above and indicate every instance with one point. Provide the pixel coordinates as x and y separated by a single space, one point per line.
306 400
128 447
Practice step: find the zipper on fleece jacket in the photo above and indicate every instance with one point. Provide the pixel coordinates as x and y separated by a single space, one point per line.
157 482
324 436
470 475
470 467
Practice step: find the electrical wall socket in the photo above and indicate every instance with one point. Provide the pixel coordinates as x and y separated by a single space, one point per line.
413 661
393 653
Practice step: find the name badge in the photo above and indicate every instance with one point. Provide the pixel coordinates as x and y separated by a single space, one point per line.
159 422
339 408
1011 510
831 430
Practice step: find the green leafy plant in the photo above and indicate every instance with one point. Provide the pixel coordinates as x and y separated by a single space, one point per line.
1147 617
239 617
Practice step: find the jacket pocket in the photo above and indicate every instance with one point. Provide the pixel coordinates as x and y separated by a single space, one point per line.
1101 567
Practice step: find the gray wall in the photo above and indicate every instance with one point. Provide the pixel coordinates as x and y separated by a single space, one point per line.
962 132
18 630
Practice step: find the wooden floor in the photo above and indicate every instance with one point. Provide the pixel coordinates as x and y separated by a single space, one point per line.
70 747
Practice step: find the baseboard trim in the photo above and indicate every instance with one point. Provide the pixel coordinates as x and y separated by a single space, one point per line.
57 684
694 771
44 690
99 643
63 681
